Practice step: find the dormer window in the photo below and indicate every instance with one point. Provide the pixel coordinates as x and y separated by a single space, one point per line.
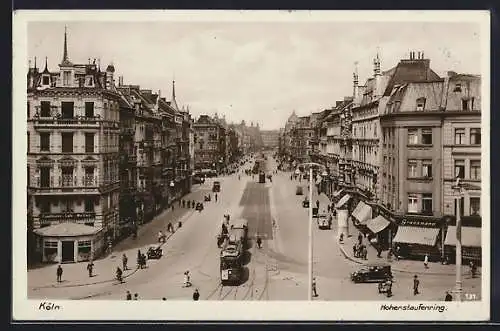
45 80
420 104
66 78
89 81
458 88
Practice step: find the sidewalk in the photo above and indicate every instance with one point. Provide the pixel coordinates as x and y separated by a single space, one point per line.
76 274
405 266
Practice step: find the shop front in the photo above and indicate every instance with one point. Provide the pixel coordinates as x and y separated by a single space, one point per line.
69 242
471 244
416 238
381 226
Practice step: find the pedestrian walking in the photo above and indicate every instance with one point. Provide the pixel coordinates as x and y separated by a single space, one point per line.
448 297
172 207
259 242
315 293
129 296
196 295
90 267
215 197
119 274
187 279
328 208
192 204
317 204
136 296
426 262
416 283
59 274
170 228
189 204
360 238
379 251
124 262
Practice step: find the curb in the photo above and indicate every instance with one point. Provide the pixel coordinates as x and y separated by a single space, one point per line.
350 258
182 219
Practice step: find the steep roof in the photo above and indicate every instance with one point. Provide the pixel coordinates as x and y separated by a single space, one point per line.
415 70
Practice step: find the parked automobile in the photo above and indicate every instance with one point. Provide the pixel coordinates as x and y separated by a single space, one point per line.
324 222
198 180
299 191
370 273
199 206
154 252
305 203
216 186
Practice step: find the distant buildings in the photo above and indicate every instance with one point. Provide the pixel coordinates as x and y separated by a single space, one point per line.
270 138
393 152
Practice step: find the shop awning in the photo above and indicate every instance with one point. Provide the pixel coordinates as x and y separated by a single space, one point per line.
67 229
343 201
377 224
471 237
362 212
339 192
416 235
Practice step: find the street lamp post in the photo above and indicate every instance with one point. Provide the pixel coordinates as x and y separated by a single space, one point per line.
310 236
310 165
458 245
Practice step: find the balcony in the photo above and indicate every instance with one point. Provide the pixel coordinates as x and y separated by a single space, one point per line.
77 121
47 219
68 181
127 131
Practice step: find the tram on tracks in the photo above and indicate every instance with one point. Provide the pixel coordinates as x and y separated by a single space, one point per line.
232 253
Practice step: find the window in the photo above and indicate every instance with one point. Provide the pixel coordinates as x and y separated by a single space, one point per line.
427 168
472 103
89 81
67 109
67 142
89 109
45 141
427 136
412 203
465 105
67 176
66 78
89 205
475 206
459 168
375 129
412 136
459 136
420 104
475 169
28 141
427 203
44 177
45 80
458 88
412 168
45 109
28 110
50 244
475 136
89 142
28 175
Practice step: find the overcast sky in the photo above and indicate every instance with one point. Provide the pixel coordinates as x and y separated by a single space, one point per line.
258 72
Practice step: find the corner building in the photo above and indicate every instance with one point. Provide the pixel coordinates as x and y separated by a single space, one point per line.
73 162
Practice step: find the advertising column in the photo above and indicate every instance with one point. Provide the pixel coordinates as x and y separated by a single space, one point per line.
342 216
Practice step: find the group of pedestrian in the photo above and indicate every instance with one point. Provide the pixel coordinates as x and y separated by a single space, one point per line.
141 260
129 296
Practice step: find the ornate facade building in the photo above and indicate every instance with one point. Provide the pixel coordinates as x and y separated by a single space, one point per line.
73 159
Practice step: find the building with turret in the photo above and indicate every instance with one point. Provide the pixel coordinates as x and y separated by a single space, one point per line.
73 119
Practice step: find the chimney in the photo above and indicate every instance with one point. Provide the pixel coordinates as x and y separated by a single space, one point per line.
110 80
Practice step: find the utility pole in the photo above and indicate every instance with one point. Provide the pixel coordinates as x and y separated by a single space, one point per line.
310 235
458 245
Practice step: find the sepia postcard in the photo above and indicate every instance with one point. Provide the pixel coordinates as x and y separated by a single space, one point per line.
269 165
